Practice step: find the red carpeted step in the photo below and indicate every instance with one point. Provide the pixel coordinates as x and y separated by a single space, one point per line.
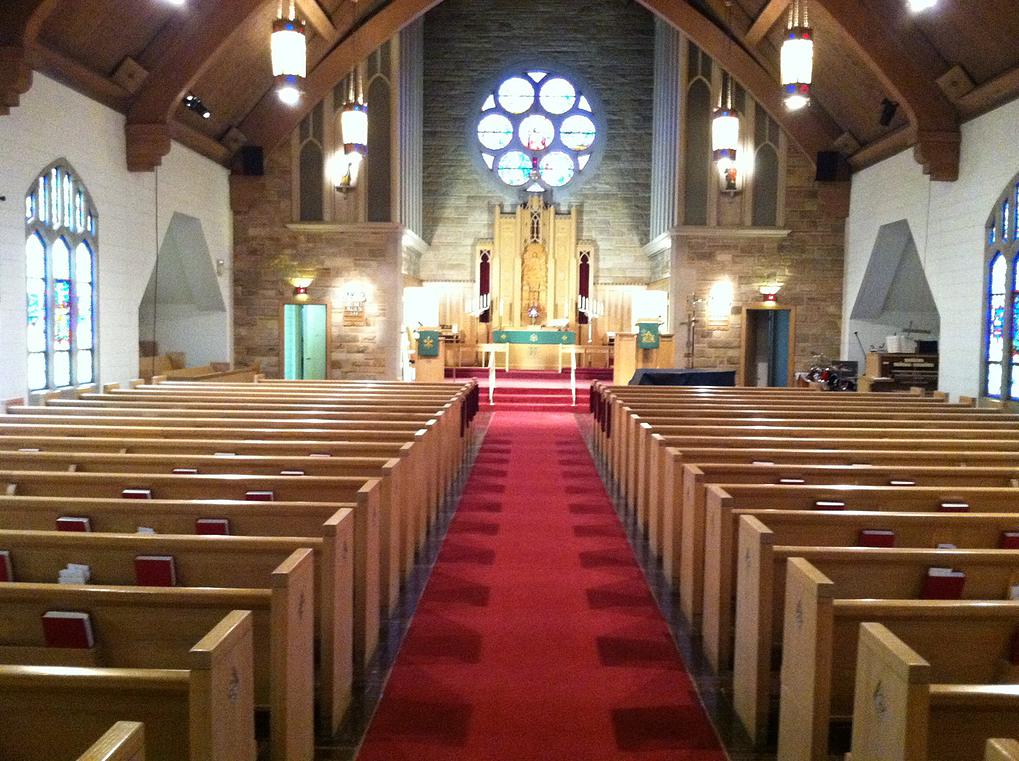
537 638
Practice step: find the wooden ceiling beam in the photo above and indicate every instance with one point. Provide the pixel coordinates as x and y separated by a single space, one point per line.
990 95
195 42
894 62
19 29
317 18
811 130
271 122
765 20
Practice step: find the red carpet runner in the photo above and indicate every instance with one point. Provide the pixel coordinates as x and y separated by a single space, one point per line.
537 638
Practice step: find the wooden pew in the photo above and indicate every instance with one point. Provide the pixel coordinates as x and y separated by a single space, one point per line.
202 713
329 492
965 641
225 562
908 708
153 627
399 508
683 526
263 530
721 538
761 578
124 741
857 572
1002 750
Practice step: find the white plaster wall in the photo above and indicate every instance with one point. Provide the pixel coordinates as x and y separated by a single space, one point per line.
55 122
947 221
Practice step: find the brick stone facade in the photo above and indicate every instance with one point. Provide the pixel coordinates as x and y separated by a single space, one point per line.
808 263
341 256
610 44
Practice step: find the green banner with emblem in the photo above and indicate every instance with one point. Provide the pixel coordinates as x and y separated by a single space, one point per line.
648 336
428 343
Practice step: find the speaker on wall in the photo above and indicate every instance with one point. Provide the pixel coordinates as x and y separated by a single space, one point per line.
252 160
831 167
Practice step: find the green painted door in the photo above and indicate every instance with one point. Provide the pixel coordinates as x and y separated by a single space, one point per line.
305 342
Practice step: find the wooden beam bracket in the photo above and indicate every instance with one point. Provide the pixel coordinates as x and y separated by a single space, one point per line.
146 145
15 76
938 153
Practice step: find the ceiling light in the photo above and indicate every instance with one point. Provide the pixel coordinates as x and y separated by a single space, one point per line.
919 6
289 47
797 57
725 128
193 103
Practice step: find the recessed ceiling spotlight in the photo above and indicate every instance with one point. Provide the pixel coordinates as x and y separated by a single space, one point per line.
919 6
178 3
193 103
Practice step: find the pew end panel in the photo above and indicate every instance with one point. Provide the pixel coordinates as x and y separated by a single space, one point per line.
1002 750
890 707
337 636
754 626
222 688
691 558
292 708
805 691
124 741
366 572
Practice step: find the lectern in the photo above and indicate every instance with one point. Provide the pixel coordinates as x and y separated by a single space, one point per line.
629 358
430 362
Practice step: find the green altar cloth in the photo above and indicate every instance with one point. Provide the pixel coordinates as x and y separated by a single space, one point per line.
535 337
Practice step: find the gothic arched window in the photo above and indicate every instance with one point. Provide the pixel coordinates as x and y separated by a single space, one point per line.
1001 315
60 268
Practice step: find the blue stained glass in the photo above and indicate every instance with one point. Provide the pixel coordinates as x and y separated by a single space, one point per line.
495 132
1015 210
62 315
994 380
83 330
83 263
61 369
30 207
557 169
1004 220
557 96
61 258
578 132
83 370
514 168
37 371
35 257
990 234
36 315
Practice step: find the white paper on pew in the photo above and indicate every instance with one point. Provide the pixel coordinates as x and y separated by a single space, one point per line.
1013 592
146 530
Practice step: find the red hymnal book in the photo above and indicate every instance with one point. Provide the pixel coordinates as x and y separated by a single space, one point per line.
185 471
136 494
259 496
155 571
1010 540
73 523
871 537
212 526
943 584
67 629
6 570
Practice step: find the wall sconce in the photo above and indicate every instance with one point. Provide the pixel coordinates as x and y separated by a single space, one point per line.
719 305
769 292
301 284
345 170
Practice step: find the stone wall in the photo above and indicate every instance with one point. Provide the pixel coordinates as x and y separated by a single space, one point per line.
610 44
808 263
341 256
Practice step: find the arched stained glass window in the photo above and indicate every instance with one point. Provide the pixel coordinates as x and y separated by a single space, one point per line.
1013 391
536 131
60 250
995 350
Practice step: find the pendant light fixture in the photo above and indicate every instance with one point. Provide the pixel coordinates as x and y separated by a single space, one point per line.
725 128
354 129
797 57
289 46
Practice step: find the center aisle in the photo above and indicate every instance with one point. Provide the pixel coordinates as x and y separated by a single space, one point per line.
537 638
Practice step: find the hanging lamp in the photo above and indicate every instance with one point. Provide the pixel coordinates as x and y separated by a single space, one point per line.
289 46
725 129
797 57
354 129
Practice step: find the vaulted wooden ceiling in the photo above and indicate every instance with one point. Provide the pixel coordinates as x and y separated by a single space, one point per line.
141 57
